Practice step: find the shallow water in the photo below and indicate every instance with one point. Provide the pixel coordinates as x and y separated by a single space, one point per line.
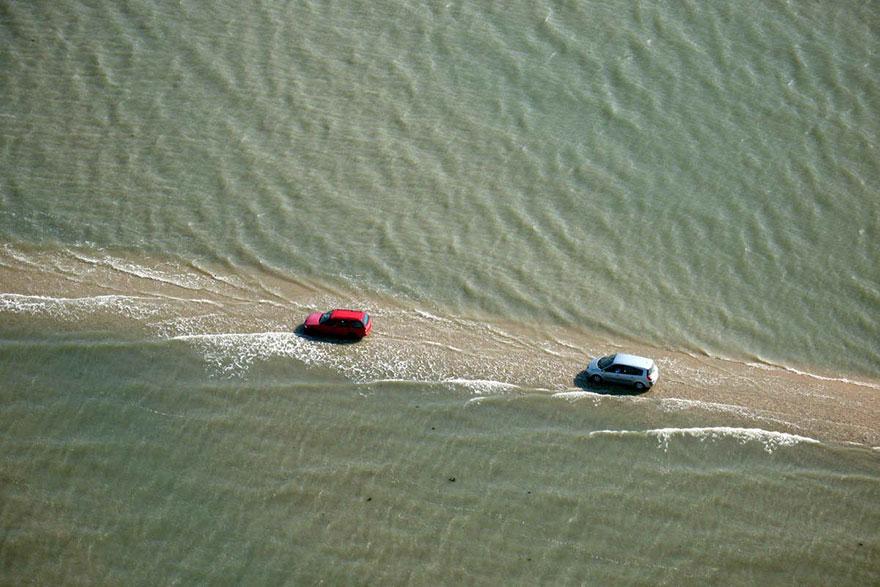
507 191
123 462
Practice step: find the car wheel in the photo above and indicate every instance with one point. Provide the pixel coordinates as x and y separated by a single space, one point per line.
640 386
595 379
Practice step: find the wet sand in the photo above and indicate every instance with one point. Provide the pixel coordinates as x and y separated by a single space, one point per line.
779 399
58 292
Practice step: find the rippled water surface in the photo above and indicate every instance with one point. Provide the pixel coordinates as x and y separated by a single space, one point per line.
508 190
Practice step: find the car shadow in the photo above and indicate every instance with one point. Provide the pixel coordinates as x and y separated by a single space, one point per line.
300 331
582 380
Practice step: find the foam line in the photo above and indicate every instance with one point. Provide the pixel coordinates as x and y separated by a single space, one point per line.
770 439
184 281
441 345
482 385
576 394
429 316
768 366
22 302
675 403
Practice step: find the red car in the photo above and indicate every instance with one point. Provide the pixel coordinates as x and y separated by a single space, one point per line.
339 323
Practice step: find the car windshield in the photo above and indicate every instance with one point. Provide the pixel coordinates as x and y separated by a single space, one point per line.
324 317
606 361
366 319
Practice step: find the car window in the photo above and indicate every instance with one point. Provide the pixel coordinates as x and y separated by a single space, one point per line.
357 324
366 319
604 362
633 371
324 317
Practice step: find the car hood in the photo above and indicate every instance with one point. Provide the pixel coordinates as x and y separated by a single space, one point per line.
313 319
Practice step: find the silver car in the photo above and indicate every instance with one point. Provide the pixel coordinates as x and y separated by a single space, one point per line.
639 372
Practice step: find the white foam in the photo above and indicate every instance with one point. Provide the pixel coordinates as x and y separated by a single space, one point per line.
131 306
388 380
233 353
546 349
481 386
189 300
441 345
18 256
575 394
671 403
674 403
580 394
846 380
183 280
770 439
429 316
768 366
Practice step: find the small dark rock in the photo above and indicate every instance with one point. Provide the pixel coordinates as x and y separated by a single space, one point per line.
369 499
452 479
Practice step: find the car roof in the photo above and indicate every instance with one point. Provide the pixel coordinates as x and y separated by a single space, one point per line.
633 361
343 314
